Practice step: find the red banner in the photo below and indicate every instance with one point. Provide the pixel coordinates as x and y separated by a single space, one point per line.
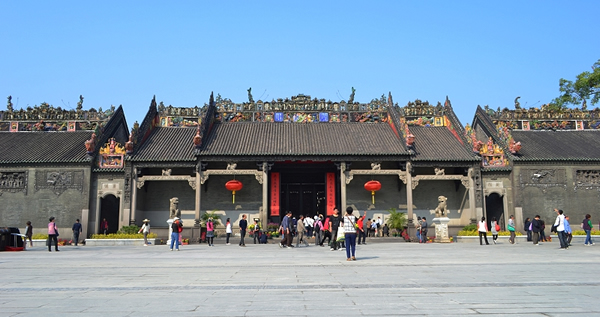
330 188
275 194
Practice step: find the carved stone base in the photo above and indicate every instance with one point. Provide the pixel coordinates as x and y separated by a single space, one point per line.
441 229
170 222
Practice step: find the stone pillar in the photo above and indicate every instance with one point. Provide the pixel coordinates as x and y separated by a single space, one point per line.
409 199
134 211
85 214
197 207
472 201
265 196
343 187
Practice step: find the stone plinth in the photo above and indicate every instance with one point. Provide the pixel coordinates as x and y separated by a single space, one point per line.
441 229
170 222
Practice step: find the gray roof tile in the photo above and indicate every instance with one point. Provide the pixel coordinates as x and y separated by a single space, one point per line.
43 147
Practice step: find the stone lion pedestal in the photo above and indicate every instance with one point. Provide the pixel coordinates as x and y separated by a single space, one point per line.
441 229
170 222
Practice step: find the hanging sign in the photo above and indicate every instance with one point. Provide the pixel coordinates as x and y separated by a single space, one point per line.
275 194
330 189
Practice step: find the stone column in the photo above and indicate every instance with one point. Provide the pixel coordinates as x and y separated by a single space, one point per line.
134 189
343 186
472 202
409 199
265 196
197 208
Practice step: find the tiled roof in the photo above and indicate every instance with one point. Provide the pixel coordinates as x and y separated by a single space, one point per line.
43 147
439 144
167 144
548 145
293 139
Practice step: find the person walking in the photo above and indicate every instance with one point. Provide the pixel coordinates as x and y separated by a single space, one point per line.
52 235
418 229
145 229
350 234
326 233
286 231
176 227
210 232
527 228
542 231
536 227
243 226
494 229
104 226
256 231
483 229
334 223
29 233
318 229
228 230
424 229
76 231
568 232
360 229
511 229
559 224
300 237
587 226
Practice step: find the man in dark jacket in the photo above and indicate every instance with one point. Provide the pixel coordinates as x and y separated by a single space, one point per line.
286 231
334 222
536 227
243 226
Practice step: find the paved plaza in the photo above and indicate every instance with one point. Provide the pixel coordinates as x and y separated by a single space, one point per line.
388 279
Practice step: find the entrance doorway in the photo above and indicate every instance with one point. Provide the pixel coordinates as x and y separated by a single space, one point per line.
109 210
303 189
304 199
494 207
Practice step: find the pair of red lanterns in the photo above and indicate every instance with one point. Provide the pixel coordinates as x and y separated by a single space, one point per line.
235 185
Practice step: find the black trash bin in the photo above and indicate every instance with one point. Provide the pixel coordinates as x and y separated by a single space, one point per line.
15 238
4 238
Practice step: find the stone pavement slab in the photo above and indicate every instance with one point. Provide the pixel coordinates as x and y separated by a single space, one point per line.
388 279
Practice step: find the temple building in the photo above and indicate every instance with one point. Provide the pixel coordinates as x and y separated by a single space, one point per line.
298 154
535 160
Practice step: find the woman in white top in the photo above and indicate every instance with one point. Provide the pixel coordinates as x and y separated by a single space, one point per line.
482 228
350 234
228 230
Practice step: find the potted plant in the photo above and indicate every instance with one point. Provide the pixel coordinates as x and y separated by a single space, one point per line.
185 241
396 221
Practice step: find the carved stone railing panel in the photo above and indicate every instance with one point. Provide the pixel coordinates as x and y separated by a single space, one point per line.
13 182
463 179
543 178
257 174
350 174
59 181
587 179
190 179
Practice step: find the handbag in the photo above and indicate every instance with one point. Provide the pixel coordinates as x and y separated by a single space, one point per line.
497 227
340 234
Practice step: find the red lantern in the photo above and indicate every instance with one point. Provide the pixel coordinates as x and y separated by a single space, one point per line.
373 186
233 185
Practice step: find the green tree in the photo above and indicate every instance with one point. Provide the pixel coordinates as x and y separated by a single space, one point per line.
587 86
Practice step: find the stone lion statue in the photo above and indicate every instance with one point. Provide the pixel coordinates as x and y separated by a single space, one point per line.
441 210
174 208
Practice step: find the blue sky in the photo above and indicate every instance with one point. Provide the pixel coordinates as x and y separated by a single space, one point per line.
125 52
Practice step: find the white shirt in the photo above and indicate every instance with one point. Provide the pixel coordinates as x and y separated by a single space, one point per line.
308 222
228 228
560 223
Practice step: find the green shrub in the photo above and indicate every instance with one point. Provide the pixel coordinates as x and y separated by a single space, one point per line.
471 227
582 232
133 229
39 236
396 220
122 236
